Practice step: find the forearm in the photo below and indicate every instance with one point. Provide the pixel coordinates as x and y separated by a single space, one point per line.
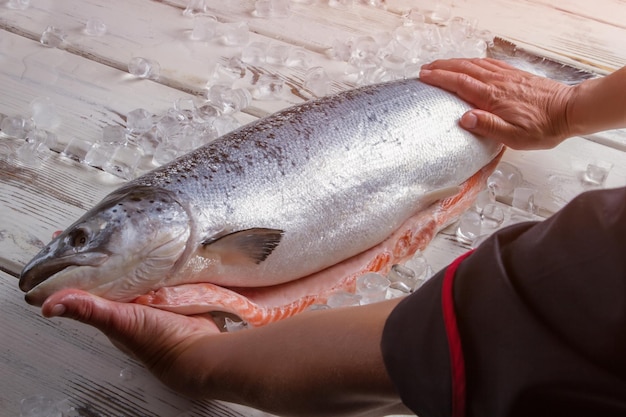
598 104
317 363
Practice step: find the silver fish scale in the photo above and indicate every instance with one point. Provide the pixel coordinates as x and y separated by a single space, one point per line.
337 175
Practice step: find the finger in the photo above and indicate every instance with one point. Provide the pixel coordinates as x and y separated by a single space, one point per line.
489 125
468 88
126 322
105 315
475 68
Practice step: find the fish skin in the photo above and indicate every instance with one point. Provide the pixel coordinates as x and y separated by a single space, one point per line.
332 177
261 306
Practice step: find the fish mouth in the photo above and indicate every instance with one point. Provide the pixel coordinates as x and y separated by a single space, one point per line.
43 269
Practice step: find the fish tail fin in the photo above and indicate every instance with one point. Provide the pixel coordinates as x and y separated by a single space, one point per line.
510 53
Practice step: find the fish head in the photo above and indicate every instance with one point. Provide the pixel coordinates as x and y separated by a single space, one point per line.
125 246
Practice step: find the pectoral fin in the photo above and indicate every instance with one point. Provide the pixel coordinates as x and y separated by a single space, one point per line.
439 194
250 245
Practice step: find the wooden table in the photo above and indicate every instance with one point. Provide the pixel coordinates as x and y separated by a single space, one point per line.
87 79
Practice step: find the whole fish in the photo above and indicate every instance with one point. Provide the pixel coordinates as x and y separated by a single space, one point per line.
286 197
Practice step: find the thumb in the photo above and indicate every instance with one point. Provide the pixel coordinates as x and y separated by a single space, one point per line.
109 317
488 125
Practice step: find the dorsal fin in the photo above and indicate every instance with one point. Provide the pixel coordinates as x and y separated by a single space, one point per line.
249 245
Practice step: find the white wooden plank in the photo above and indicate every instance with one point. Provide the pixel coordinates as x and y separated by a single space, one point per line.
152 30
64 360
587 34
87 94
186 64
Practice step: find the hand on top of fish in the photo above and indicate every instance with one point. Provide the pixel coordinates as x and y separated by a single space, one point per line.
321 362
521 110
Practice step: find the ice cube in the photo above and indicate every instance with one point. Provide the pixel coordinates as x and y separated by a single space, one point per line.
126 374
195 7
164 153
114 134
413 17
394 64
229 100
99 154
225 124
317 81
254 53
341 50
186 106
234 68
14 126
262 8
317 307
473 48
268 87
441 12
343 299
372 287
29 154
407 37
95 27
458 30
298 58
204 28
504 179
7 149
422 269
18 4
235 34
171 123
52 37
596 172
484 198
364 51
139 120
468 227
492 216
281 8
277 54
340 4
401 278
232 326
524 199
39 136
144 68
124 161
149 140
204 134
76 149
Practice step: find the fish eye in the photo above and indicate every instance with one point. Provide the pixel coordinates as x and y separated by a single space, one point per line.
79 238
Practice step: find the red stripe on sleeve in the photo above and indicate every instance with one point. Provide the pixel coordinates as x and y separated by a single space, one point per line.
457 363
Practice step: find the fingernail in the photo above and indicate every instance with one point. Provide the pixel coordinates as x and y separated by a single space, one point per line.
424 72
57 311
469 120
